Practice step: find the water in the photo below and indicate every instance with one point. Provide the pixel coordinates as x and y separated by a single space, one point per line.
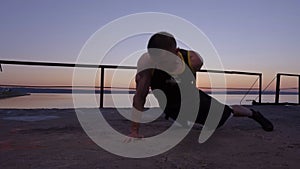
47 100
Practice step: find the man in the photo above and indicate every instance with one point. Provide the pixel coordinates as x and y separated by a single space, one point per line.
152 73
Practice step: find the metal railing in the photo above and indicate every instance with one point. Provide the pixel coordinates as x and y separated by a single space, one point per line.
103 67
278 85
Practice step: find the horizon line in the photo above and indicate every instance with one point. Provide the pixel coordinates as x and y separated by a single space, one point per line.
133 88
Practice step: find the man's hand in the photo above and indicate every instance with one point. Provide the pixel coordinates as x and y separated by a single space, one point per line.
134 136
134 133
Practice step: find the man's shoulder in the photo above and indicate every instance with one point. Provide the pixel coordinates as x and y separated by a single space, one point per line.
188 51
144 57
193 54
196 60
145 61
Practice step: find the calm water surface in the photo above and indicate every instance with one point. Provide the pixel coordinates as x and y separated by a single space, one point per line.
46 100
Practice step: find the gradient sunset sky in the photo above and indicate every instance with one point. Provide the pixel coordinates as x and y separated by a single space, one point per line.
249 35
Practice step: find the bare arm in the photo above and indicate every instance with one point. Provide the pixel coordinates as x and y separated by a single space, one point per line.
143 80
196 60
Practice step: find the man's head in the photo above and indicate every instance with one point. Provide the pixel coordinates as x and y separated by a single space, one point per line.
162 49
159 42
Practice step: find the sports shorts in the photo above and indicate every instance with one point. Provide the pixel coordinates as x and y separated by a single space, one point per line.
207 103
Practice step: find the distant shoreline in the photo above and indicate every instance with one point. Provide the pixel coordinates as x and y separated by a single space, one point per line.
20 91
10 94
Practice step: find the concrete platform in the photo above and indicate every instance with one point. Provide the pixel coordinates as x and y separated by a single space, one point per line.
53 138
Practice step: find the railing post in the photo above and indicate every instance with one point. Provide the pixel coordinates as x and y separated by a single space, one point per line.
299 89
260 88
277 89
101 87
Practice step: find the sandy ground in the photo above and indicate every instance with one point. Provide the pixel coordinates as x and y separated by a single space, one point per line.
53 138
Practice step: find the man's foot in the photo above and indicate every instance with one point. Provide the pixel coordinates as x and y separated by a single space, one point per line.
265 123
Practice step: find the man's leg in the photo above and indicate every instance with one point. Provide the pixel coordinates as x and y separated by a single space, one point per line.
241 111
237 110
206 101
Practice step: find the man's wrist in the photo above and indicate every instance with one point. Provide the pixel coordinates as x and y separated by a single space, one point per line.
134 127
136 115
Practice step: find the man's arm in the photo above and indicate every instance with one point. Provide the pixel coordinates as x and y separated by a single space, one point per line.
143 80
196 60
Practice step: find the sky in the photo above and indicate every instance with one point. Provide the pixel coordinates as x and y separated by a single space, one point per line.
249 35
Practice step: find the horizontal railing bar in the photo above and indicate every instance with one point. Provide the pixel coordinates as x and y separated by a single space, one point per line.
288 74
10 62
230 72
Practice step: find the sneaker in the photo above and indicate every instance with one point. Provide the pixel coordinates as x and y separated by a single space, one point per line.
265 123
